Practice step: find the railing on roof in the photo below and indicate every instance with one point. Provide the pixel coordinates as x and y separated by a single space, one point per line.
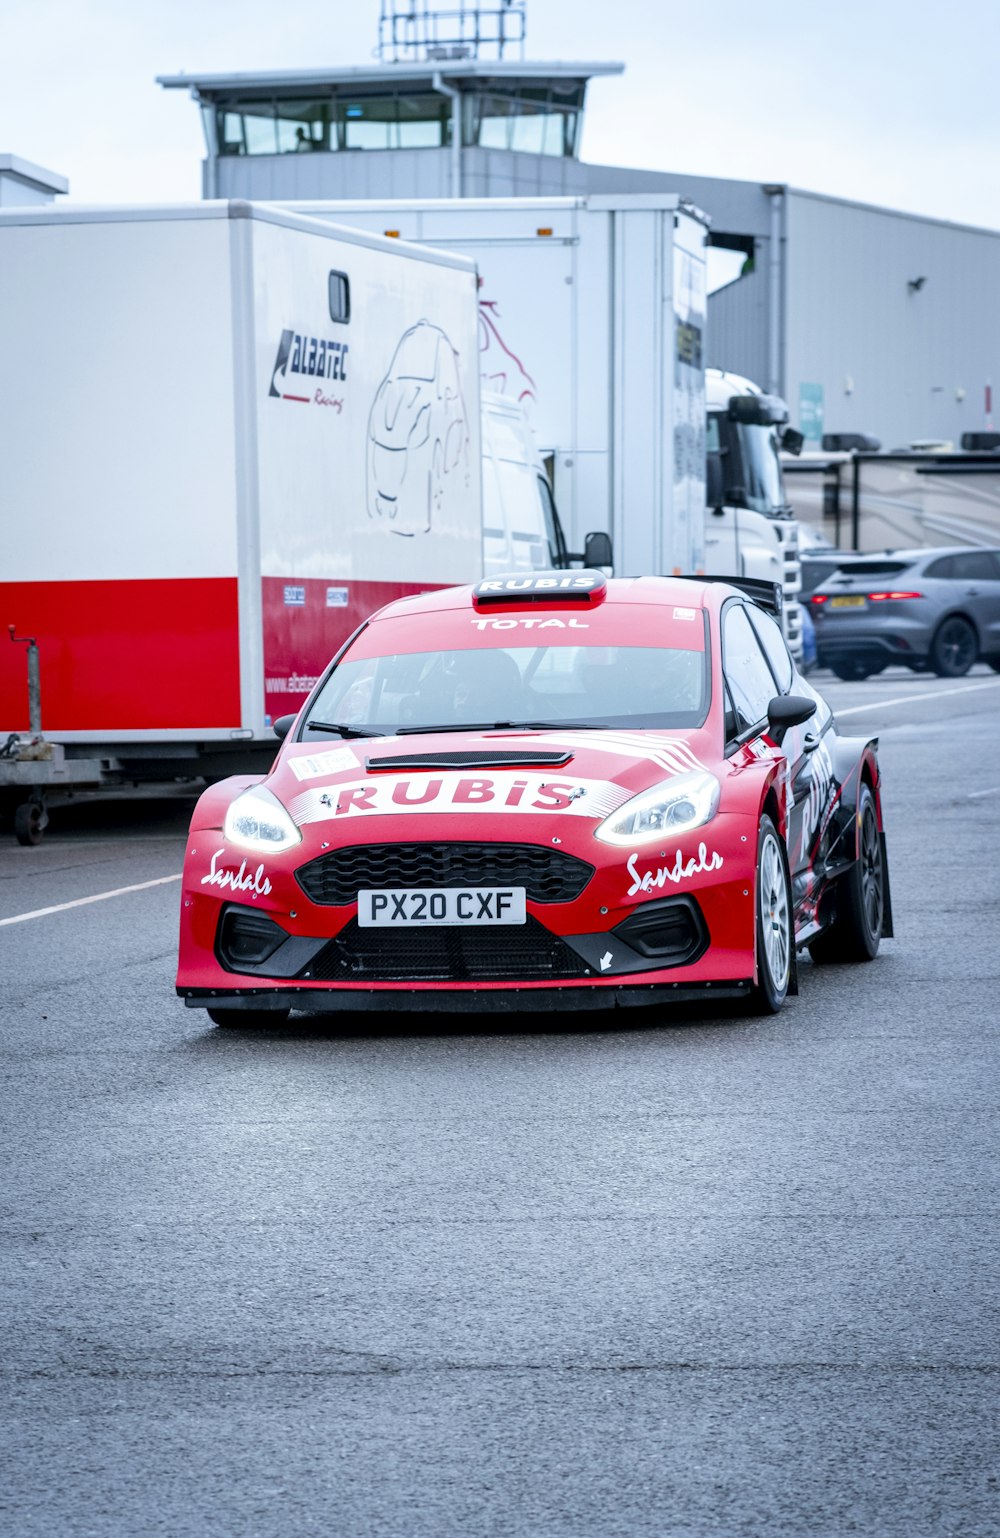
410 31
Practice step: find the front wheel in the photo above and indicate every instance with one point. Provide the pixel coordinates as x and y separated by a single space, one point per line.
248 1019
855 933
954 648
774 922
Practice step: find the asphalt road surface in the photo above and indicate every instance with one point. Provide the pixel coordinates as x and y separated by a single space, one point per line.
659 1276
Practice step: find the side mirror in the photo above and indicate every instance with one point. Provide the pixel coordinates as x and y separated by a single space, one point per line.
792 441
284 724
598 551
787 710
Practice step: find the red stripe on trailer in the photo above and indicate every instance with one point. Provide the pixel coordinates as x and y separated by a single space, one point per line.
307 620
142 655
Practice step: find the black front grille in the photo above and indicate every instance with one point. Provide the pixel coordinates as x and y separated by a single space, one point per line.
426 954
547 875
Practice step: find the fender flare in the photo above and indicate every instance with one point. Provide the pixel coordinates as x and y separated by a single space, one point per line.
856 759
774 789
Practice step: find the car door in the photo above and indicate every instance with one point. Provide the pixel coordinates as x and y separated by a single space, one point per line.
807 749
976 575
750 685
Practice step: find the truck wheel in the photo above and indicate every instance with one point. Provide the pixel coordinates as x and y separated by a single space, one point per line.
851 671
773 902
30 822
855 933
954 648
248 1019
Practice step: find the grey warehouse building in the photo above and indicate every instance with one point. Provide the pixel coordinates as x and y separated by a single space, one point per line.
864 319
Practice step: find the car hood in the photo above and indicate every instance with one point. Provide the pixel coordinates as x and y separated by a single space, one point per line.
583 773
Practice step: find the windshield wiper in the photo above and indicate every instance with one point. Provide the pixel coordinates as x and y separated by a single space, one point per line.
500 726
340 728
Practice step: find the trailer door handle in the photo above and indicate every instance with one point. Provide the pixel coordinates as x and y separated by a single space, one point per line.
972 592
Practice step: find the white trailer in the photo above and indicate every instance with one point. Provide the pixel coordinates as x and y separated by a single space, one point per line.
229 434
592 313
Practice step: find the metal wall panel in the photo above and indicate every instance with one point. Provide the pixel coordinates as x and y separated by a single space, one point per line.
737 323
898 362
379 174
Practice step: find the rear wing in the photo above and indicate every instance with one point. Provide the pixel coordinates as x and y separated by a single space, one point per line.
767 594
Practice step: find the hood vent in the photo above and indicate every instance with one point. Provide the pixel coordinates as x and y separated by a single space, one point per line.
476 758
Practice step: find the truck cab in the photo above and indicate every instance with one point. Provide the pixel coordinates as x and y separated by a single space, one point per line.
750 528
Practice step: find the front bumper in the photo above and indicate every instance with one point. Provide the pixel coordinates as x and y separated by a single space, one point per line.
679 921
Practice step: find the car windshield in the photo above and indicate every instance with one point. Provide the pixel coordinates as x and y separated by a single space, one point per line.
529 686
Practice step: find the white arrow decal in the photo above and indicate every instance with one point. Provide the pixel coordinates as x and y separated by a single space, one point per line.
605 961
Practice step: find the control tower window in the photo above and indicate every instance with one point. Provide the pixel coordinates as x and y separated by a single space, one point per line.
394 122
303 126
535 121
273 128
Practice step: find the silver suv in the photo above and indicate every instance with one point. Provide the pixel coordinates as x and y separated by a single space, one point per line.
937 609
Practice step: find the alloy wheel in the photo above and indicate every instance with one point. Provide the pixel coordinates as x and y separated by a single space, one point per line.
772 888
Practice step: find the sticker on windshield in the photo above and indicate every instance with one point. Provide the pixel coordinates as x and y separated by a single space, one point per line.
311 766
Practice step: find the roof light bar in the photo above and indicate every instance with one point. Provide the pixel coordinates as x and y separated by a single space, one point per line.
542 587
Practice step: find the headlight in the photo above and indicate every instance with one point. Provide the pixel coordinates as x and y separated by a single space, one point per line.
681 803
257 820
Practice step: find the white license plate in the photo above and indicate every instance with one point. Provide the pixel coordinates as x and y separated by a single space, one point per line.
441 905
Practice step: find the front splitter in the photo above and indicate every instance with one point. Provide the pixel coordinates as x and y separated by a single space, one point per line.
487 1001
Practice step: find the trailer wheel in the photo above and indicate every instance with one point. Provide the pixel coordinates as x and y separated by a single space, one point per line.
30 822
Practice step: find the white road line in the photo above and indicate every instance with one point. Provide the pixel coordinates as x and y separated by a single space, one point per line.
908 699
81 902
993 791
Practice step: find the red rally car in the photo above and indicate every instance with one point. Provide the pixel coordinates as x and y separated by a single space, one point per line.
552 790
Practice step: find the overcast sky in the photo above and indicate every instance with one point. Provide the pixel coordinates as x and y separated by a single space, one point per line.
886 101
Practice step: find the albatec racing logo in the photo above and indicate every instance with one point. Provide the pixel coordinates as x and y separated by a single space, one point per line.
310 358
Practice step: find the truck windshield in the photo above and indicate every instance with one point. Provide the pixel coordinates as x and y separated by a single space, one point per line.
623 686
749 465
553 527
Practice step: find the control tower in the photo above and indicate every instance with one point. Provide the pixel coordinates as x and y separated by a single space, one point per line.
451 109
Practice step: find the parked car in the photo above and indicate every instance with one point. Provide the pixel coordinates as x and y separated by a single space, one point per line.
819 565
808 641
549 791
937 609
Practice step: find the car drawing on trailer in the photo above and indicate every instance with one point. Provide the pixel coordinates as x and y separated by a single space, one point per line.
548 790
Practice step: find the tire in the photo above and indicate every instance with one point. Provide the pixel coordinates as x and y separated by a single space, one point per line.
994 663
248 1019
855 933
954 648
775 938
851 671
30 822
